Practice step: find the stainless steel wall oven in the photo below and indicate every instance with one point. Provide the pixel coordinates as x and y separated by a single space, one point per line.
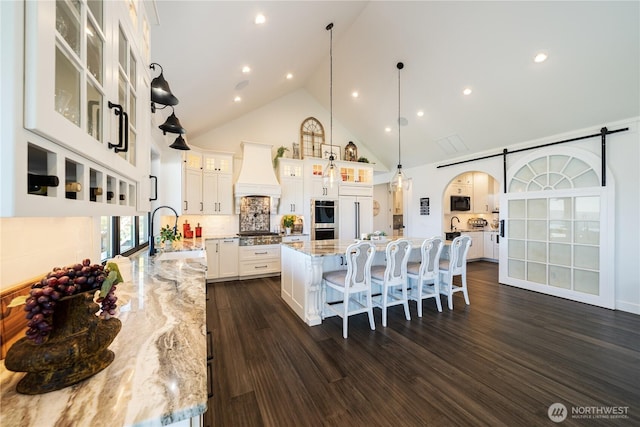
324 219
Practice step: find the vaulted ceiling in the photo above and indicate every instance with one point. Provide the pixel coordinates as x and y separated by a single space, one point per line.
591 75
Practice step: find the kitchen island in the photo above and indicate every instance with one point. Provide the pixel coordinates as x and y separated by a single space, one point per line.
159 374
303 264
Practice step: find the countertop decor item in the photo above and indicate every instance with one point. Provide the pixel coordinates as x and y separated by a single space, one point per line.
288 221
351 152
66 342
363 160
169 234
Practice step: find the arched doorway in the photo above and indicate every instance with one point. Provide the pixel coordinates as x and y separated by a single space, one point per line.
470 206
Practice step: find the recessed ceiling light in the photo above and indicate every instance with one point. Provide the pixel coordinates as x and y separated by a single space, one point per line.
237 99
260 19
355 94
246 69
387 129
289 76
420 113
467 91
541 57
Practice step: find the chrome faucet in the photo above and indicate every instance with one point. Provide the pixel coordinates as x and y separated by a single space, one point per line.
452 218
152 249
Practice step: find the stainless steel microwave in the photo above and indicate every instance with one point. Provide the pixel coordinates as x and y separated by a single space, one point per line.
460 203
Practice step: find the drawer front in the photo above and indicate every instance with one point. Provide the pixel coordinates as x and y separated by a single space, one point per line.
267 266
289 239
261 252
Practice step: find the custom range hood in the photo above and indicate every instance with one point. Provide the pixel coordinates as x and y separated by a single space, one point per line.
257 177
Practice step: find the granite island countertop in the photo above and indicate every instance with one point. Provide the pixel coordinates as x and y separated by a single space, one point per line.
324 248
159 374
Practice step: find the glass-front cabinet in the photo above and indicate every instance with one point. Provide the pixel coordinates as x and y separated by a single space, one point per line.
86 97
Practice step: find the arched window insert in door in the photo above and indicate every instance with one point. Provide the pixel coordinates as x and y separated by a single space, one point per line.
311 137
557 227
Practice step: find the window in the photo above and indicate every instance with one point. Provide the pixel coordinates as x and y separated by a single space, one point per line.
122 235
311 137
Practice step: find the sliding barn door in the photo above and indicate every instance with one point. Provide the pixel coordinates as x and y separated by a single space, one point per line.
558 227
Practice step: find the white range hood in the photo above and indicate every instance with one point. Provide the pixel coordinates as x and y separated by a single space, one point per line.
257 177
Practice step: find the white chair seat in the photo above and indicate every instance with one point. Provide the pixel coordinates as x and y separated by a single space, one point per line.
424 275
337 277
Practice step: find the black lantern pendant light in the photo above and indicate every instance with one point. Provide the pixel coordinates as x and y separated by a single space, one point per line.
160 91
180 144
399 182
331 171
172 124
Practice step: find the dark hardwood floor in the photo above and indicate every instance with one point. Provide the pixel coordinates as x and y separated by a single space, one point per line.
503 360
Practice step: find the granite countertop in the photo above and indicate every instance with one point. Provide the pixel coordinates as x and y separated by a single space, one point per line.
159 374
320 248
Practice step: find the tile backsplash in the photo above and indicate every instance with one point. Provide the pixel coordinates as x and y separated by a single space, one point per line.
255 213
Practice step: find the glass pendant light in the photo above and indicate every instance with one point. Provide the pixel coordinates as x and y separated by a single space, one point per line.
399 182
330 173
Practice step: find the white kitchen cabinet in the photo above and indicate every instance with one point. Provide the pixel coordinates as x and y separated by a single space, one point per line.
207 186
222 258
259 260
318 188
291 177
480 200
355 215
292 197
67 56
355 173
192 191
217 194
491 245
476 250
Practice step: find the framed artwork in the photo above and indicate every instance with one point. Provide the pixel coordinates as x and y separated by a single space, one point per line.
326 151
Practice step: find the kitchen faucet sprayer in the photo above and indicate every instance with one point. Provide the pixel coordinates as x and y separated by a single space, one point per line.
152 249
452 218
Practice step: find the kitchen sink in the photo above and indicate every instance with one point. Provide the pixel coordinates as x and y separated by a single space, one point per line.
451 235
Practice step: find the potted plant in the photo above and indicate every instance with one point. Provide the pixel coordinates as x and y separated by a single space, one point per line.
168 235
279 153
287 222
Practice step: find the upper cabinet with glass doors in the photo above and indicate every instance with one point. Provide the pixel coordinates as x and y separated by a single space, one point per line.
85 86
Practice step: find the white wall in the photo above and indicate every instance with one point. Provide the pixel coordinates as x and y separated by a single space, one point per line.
31 247
623 158
278 123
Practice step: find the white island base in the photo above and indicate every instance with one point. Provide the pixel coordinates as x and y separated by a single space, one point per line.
302 265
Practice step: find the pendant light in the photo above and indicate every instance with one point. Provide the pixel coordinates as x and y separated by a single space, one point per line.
399 182
330 174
